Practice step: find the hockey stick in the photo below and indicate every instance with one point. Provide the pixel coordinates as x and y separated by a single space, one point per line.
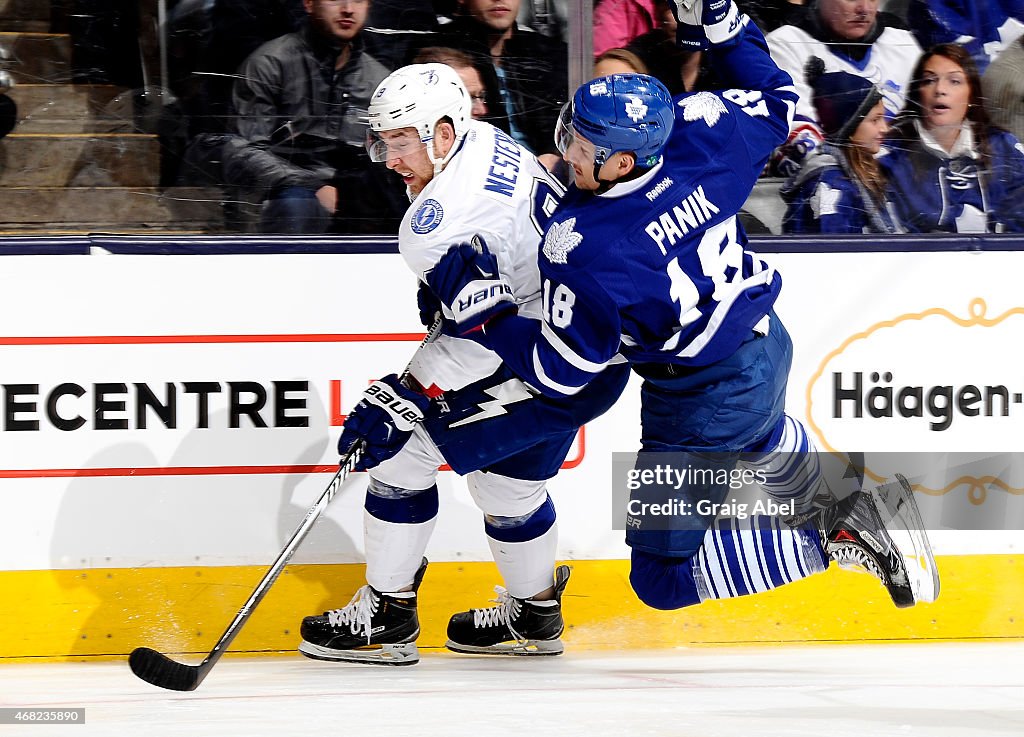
156 668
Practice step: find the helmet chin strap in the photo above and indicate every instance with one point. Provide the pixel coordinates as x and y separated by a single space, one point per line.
439 163
603 185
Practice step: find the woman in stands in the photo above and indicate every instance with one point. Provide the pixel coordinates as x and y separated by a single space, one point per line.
949 168
840 188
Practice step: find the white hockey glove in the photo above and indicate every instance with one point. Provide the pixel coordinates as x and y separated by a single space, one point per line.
706 23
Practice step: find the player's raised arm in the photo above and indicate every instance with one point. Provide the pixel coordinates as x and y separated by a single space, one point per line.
739 58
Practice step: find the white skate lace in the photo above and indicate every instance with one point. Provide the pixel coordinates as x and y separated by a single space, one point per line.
357 614
508 609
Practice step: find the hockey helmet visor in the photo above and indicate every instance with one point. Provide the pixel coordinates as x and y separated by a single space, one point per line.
384 145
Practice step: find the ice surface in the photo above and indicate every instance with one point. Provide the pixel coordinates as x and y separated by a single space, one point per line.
933 689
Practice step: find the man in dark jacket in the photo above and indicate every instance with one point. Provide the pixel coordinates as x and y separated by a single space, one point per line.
300 121
525 73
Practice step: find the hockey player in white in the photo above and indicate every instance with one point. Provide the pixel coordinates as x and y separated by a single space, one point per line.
468 181
645 258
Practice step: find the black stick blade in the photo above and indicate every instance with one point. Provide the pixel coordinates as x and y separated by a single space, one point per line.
158 669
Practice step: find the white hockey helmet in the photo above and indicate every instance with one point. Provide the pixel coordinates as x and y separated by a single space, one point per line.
418 96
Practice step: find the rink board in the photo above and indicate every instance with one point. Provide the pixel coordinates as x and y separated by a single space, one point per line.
242 366
108 612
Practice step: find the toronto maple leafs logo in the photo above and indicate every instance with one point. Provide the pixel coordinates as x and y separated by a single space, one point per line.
561 239
635 109
825 200
703 105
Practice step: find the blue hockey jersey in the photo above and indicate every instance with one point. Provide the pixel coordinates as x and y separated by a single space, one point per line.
655 269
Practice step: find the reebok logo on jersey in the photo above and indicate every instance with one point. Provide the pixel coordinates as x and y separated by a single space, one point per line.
660 187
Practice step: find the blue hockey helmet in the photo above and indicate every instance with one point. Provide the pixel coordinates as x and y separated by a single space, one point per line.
620 112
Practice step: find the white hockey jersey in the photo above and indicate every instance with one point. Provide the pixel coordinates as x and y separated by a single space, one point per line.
495 189
888 64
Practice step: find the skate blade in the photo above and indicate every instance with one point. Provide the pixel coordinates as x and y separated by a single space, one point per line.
404 653
895 502
526 647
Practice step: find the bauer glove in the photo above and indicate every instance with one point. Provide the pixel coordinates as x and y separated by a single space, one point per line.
384 419
468 283
706 23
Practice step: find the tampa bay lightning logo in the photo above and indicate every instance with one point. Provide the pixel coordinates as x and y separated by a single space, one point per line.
427 217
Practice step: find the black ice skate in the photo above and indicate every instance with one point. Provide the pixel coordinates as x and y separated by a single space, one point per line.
854 535
374 627
514 627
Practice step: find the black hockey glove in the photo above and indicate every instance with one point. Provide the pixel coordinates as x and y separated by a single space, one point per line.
384 419
468 282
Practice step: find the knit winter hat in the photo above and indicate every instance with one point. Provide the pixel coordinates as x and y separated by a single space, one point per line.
842 100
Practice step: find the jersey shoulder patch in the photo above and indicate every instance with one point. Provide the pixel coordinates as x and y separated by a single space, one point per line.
704 106
560 239
427 216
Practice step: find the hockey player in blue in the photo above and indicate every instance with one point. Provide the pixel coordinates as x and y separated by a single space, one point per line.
463 407
645 259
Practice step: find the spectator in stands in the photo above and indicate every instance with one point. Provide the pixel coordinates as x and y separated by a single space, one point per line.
617 22
618 61
1003 83
525 73
840 188
984 27
948 168
849 36
300 125
466 70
